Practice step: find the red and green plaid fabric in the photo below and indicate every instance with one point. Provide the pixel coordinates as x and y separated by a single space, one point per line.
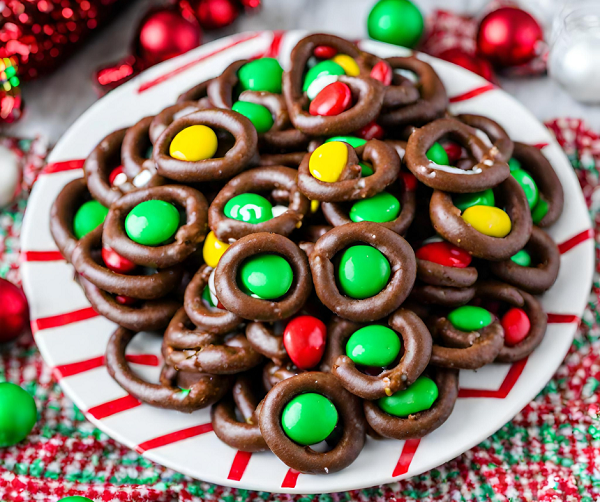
549 452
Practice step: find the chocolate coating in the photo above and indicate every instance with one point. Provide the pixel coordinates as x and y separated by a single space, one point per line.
493 131
166 117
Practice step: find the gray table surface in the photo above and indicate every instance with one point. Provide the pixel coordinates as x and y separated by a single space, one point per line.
54 102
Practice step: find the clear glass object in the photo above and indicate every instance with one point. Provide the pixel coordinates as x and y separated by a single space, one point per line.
574 58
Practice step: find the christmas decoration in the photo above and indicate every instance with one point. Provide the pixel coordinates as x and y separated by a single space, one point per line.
10 176
14 314
468 61
18 414
215 14
10 92
509 36
396 22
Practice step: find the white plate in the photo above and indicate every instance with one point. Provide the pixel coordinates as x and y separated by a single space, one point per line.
72 338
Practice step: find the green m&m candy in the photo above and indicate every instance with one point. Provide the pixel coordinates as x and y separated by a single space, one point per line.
466 200
539 211
365 169
249 207
152 222
266 276
528 185
259 115
88 217
396 22
514 164
76 498
353 141
380 208
420 396
363 271
309 418
321 69
470 318
373 345
522 258
438 155
206 296
18 414
263 74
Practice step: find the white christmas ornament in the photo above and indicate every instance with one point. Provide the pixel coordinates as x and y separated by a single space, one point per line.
10 175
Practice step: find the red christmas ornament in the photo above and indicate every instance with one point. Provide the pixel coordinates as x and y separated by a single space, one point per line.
215 14
382 71
509 36
468 61
516 326
371 131
304 340
332 100
445 254
14 313
116 262
324 52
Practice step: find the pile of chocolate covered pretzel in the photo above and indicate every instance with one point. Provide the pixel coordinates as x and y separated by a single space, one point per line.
329 267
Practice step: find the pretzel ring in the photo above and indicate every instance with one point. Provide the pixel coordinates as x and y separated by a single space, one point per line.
186 240
539 277
441 295
292 159
488 172
212 320
238 302
304 458
243 436
550 188
264 340
225 164
367 93
204 390
197 93
432 98
447 221
259 180
187 348
417 350
273 373
337 213
62 214
494 131
397 251
165 118
422 423
143 287
351 186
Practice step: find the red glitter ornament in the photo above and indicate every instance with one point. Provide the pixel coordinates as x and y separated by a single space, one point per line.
304 340
215 14
14 313
509 36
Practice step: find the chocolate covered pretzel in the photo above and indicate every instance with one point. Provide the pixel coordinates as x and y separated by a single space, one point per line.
304 458
488 171
417 350
263 179
494 132
197 93
165 118
395 249
419 424
186 240
204 389
224 164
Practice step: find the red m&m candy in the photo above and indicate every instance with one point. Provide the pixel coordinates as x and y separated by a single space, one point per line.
304 340
516 326
445 254
324 52
116 262
382 71
128 301
332 100
117 176
453 150
371 131
410 182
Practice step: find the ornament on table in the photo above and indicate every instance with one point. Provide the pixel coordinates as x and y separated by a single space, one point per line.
398 22
14 315
575 50
169 31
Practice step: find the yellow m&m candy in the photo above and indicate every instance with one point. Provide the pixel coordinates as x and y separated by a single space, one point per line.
348 64
488 220
194 143
328 161
213 249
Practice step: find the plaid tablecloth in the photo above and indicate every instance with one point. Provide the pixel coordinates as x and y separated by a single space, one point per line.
549 452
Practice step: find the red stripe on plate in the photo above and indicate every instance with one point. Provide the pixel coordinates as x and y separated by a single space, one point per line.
575 240
238 467
65 165
562 318
408 452
173 437
509 382
539 146
66 370
111 408
472 93
273 50
291 477
62 319
41 256
163 78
